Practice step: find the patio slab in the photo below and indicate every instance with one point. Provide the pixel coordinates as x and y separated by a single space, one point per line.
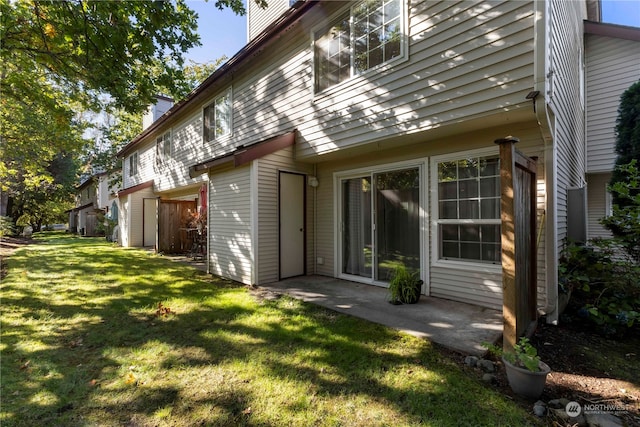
457 326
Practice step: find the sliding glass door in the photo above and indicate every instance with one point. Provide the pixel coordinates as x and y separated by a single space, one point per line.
356 223
380 217
397 219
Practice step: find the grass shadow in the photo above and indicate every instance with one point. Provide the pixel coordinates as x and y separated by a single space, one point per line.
84 341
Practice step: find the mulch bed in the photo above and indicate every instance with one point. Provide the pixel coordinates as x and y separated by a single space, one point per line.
569 350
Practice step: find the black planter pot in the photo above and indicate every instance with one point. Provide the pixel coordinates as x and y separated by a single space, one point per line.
415 297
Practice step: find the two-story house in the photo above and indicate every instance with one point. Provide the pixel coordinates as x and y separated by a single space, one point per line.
348 137
95 198
158 198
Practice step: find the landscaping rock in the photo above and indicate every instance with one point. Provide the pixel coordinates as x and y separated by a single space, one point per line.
561 414
471 361
602 420
558 403
540 409
489 378
486 365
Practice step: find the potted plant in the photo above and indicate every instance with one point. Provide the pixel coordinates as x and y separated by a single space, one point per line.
526 373
405 286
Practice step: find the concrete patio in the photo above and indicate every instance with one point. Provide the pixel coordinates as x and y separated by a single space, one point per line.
458 326
455 325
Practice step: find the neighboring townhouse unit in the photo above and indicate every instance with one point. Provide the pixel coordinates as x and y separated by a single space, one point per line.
95 198
159 199
612 66
348 137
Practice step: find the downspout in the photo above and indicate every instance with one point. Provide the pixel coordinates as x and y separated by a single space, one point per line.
543 73
254 227
208 180
315 222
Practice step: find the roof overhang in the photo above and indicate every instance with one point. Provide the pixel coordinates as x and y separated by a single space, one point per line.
612 30
201 93
243 155
134 188
79 208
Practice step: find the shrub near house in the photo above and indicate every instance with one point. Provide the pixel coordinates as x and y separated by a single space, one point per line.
603 276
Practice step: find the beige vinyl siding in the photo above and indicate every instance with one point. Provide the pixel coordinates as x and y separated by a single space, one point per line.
612 65
258 18
597 205
135 217
146 166
448 76
273 101
471 286
268 215
103 198
566 102
230 246
325 214
186 150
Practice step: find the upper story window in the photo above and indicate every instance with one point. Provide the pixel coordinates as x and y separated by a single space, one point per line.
369 34
133 164
217 117
468 209
163 147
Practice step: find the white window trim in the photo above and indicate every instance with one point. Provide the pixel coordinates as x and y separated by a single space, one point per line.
161 157
355 79
132 174
423 169
608 201
435 215
229 91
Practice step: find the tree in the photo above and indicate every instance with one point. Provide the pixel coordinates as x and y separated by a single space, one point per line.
196 73
39 142
59 57
94 47
627 137
624 221
117 128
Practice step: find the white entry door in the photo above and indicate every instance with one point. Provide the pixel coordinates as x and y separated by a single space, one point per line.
292 224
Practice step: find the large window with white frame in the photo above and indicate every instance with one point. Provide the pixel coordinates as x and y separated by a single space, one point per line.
163 147
217 117
367 35
467 209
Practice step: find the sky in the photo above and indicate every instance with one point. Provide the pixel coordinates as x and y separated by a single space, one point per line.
224 33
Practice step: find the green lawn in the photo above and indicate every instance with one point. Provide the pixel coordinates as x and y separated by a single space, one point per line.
84 343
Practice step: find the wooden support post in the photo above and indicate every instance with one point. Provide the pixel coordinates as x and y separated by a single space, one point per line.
507 208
